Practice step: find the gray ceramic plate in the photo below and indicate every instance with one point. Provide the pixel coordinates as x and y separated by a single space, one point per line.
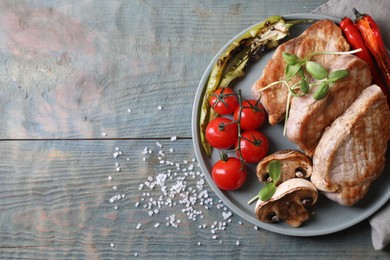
330 217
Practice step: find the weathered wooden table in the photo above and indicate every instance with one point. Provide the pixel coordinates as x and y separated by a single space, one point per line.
92 96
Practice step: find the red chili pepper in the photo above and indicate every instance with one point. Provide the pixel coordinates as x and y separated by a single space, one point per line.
373 40
356 41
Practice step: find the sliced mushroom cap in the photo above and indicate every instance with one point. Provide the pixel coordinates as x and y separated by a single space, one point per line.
288 203
293 164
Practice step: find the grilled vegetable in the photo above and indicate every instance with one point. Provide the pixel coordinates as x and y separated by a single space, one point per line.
234 61
355 39
373 40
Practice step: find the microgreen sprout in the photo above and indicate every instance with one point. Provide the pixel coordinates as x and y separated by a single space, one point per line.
318 77
269 189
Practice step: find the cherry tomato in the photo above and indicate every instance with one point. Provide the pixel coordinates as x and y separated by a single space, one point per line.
224 101
254 146
230 174
252 115
221 133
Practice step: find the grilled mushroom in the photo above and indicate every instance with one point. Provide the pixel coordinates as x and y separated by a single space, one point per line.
288 203
293 164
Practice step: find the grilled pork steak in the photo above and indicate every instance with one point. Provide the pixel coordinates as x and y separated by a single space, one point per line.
351 153
323 35
308 118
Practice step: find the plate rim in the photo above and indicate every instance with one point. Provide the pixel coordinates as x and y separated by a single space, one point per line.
200 154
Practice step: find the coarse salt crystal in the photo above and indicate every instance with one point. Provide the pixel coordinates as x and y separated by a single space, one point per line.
237 242
226 215
173 138
104 134
159 144
139 225
109 178
115 207
159 107
129 110
156 225
112 244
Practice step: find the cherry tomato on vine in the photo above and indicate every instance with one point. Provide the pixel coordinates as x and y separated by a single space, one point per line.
252 115
230 174
254 146
224 101
221 133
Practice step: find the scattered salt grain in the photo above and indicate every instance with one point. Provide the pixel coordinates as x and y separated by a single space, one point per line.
174 138
129 110
135 254
114 187
156 225
159 108
112 245
226 215
118 169
109 178
159 144
256 227
104 134
237 242
139 225
115 155
115 207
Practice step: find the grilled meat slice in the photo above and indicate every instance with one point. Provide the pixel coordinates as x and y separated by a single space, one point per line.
351 153
323 35
308 118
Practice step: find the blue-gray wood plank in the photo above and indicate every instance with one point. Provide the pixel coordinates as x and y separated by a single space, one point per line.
70 70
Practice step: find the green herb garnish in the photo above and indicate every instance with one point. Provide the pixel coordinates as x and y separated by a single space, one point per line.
269 189
318 77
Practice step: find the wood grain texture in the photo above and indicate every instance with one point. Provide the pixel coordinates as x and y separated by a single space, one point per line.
70 70
54 201
68 73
